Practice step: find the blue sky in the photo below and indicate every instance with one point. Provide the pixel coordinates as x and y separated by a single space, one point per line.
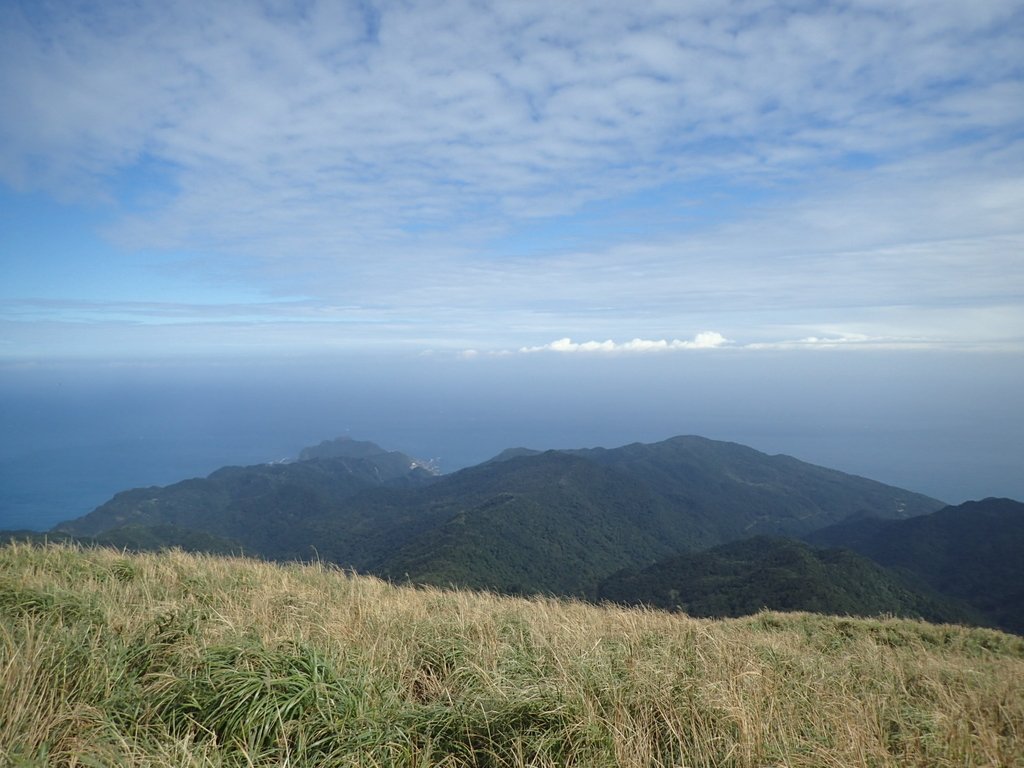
457 226
493 177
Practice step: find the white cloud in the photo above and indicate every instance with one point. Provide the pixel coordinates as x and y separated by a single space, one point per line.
703 340
731 165
352 124
843 340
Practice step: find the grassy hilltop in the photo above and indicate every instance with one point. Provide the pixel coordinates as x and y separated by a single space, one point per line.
193 660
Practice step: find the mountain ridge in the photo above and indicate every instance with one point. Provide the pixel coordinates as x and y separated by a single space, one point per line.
562 522
970 551
556 521
764 573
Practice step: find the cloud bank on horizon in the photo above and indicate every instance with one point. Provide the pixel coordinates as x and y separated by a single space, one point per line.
703 340
235 176
712 340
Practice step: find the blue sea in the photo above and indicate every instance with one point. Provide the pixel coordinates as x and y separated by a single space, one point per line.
72 435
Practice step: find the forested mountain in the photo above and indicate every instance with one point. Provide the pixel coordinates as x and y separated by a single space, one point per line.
551 522
973 551
557 521
265 507
640 523
390 464
736 492
560 521
743 577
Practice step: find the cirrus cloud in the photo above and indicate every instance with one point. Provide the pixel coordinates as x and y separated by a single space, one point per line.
479 174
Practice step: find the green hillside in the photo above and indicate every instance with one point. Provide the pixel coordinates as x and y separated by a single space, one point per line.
266 507
551 523
737 492
744 577
972 552
555 522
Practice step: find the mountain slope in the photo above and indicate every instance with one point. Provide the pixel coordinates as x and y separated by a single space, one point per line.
558 521
546 523
972 552
169 660
747 576
266 507
738 492
391 464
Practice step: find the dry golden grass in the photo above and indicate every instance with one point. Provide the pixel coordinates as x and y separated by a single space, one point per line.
183 660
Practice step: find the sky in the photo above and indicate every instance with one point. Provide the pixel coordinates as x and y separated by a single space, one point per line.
801 187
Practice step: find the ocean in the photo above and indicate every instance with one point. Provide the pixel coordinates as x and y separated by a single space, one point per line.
74 434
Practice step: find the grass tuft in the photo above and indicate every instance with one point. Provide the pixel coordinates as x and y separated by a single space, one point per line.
187 660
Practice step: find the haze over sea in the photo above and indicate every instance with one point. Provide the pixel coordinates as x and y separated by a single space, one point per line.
74 434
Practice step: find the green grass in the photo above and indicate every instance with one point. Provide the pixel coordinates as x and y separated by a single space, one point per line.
187 660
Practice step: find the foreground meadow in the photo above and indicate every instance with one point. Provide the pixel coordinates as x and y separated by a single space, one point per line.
183 660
